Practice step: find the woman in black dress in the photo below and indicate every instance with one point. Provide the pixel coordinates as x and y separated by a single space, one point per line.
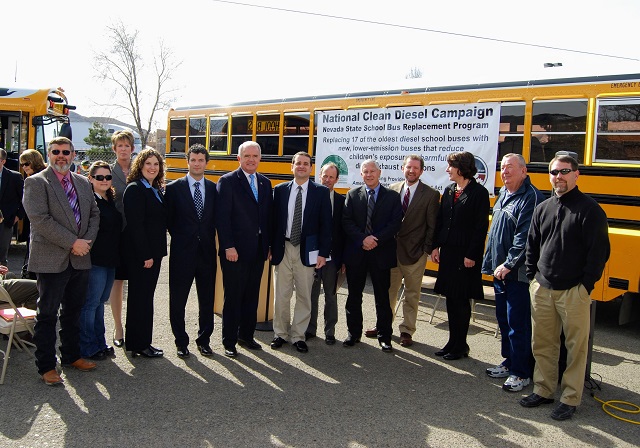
145 244
459 240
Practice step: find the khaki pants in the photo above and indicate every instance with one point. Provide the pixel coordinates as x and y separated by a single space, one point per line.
553 311
412 274
288 273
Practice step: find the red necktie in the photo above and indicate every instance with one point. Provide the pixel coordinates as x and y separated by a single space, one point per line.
405 200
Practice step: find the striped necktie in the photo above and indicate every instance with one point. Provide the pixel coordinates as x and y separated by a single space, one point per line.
73 199
296 225
405 201
371 202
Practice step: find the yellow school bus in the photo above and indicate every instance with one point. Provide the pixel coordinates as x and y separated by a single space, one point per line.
598 118
29 118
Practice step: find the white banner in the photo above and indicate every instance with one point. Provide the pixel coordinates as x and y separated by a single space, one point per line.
349 137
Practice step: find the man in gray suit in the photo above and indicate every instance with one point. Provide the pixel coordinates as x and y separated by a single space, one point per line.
64 222
420 205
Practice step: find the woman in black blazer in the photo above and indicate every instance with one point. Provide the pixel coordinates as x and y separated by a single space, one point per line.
145 244
460 234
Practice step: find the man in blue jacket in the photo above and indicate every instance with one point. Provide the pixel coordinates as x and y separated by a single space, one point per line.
504 259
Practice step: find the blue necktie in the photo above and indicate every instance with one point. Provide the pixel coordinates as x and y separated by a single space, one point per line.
252 184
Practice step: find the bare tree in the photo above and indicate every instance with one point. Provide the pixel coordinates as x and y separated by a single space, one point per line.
123 65
414 73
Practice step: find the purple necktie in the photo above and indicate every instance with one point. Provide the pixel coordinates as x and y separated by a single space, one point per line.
73 199
405 201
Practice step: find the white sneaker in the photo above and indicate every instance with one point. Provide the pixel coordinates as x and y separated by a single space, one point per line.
515 383
498 371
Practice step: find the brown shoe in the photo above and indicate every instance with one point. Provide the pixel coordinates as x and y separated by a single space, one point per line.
371 332
83 365
405 339
51 378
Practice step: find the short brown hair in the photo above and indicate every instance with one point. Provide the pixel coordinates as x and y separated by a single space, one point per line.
60 141
465 162
122 135
33 158
95 166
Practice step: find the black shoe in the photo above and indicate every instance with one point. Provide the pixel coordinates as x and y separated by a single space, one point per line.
454 356
149 352
563 412
230 352
534 400
205 350
386 347
330 340
183 352
443 351
277 342
98 356
118 343
350 341
301 346
251 345
109 351
308 336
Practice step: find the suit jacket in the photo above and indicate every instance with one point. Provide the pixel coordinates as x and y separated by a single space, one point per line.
145 236
186 229
119 184
386 219
316 220
53 225
11 196
337 232
415 237
241 220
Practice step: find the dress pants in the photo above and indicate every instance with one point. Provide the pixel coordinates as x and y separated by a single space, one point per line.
289 273
513 312
181 277
553 311
328 276
142 287
241 281
64 291
356 279
23 292
412 274
458 315
6 234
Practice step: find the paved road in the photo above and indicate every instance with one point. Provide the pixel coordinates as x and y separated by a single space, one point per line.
329 397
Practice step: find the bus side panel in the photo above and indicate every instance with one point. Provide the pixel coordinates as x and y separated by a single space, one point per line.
622 266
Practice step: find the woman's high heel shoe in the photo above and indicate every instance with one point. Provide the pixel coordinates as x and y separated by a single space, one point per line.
149 352
118 342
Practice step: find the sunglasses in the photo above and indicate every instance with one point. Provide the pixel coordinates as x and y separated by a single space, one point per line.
563 171
101 177
56 152
25 164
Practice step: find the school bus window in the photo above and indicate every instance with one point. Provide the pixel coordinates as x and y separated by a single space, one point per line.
618 132
558 126
241 131
268 133
511 138
197 131
178 130
218 127
296 133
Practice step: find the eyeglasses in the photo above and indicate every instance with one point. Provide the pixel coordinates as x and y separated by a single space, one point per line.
563 171
101 177
25 164
56 152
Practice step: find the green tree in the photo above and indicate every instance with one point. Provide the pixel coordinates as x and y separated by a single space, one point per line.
98 138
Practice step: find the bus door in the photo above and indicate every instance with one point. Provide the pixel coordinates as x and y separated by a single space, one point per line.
13 135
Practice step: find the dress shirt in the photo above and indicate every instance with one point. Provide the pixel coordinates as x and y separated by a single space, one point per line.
292 204
192 189
412 192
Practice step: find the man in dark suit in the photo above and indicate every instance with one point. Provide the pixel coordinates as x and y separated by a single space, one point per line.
64 222
301 243
11 186
191 202
245 200
371 218
420 205
328 274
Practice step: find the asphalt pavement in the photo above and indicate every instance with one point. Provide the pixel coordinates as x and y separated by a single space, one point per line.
331 396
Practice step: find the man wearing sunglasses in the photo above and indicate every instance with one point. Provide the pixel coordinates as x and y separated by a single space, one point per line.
567 249
11 185
64 222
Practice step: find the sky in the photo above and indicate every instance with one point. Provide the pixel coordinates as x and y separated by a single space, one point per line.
231 52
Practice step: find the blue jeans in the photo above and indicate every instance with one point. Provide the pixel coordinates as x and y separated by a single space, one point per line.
92 338
513 312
